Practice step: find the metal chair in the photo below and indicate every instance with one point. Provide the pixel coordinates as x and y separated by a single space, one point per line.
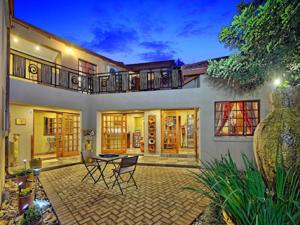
89 163
127 166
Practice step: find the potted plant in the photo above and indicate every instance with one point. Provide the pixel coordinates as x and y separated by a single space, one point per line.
32 216
26 197
35 163
24 178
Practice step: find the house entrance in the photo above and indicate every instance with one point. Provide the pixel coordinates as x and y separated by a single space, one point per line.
179 132
55 134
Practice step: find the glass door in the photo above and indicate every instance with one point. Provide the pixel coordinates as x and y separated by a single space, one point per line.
170 137
114 133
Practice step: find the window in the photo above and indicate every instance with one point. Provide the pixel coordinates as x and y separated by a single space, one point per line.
236 118
49 126
86 68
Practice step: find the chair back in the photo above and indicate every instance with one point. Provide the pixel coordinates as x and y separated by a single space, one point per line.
129 161
87 156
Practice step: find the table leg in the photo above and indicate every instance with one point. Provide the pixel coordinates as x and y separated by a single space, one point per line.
101 174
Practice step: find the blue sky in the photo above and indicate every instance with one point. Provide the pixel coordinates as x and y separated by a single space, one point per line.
134 31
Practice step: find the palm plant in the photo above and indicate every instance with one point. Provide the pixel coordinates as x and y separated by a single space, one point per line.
246 196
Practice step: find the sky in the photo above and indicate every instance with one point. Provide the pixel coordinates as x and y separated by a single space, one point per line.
134 31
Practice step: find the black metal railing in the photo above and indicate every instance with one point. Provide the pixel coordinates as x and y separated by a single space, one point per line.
47 73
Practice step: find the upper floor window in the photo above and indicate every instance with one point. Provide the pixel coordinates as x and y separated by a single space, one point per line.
112 70
236 118
86 67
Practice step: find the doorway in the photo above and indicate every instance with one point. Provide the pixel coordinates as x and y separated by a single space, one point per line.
123 133
55 134
179 132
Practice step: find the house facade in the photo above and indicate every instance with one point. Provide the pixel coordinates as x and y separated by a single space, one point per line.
65 99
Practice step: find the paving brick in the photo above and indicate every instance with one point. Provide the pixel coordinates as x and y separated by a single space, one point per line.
160 198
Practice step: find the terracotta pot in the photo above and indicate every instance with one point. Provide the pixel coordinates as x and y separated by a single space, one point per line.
23 200
279 130
142 145
27 180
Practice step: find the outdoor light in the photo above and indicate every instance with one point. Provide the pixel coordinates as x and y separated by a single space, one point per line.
16 40
37 48
24 161
20 184
69 50
36 171
277 82
25 207
41 204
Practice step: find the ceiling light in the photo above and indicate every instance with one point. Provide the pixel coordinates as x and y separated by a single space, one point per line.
16 40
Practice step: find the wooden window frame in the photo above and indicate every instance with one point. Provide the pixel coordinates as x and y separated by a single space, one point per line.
244 133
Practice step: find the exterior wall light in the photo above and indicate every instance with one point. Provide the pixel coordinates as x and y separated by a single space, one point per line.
16 40
277 82
37 48
69 50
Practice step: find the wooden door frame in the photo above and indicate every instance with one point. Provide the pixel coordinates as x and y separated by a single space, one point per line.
163 150
56 150
118 151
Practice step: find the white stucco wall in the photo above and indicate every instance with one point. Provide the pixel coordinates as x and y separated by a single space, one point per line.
202 98
4 23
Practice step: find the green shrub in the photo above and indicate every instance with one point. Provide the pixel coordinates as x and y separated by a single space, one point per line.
23 172
246 196
25 191
31 216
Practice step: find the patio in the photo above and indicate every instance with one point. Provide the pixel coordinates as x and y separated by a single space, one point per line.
160 198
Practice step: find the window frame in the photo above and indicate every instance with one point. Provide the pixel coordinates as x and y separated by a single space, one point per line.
84 73
244 134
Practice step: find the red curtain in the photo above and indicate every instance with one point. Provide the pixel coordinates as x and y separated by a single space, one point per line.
226 112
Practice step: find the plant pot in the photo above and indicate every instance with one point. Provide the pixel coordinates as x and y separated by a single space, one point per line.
279 130
23 200
35 163
27 180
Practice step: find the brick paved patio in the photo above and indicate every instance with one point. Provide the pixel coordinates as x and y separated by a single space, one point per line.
160 198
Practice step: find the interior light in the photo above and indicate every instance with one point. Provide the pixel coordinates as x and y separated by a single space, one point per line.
37 48
69 50
16 40
277 82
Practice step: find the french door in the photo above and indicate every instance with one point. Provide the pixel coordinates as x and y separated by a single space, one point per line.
170 131
114 133
67 134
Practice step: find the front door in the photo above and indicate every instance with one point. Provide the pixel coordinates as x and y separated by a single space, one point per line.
114 133
67 134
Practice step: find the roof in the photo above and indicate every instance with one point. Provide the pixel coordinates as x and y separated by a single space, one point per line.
151 65
197 68
44 32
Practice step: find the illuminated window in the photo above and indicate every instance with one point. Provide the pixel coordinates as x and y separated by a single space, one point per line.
86 67
236 118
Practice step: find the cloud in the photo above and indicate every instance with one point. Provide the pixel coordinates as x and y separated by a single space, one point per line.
115 40
157 50
194 28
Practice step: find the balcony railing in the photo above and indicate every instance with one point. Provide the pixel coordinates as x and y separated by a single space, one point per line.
47 73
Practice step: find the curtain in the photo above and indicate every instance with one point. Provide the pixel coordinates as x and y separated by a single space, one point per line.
223 117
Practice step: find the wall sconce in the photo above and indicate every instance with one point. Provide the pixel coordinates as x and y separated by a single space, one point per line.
37 48
16 40
69 50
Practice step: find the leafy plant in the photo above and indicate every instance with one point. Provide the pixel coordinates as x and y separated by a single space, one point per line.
25 191
266 37
246 196
23 172
31 216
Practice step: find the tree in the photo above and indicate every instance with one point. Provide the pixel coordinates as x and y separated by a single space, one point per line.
266 35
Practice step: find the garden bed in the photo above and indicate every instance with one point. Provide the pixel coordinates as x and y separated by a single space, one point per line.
9 214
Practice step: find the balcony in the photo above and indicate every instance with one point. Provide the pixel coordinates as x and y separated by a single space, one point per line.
43 72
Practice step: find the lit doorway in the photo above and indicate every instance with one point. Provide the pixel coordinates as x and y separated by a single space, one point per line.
179 132
123 133
55 134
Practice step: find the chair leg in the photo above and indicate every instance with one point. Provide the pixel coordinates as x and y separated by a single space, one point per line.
90 172
131 177
117 180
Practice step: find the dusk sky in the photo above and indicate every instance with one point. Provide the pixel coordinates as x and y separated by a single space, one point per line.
134 31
